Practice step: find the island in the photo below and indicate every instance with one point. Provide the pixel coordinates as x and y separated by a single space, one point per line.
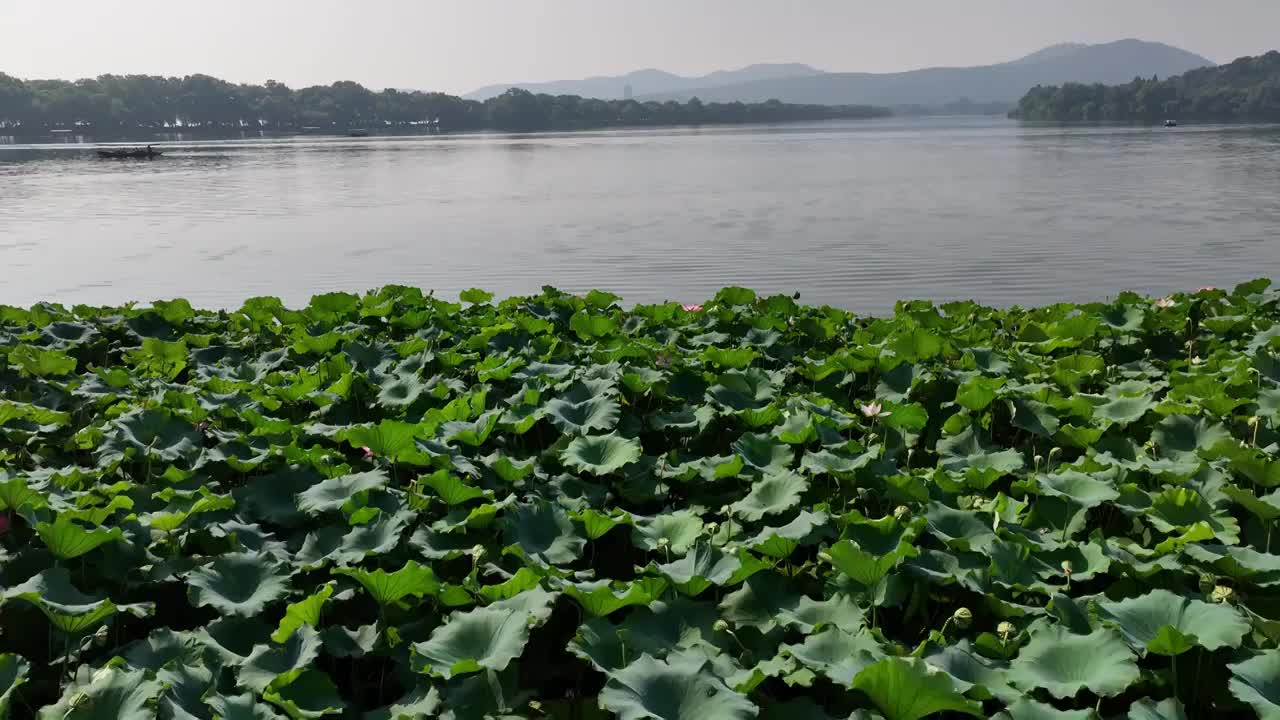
1247 90
137 105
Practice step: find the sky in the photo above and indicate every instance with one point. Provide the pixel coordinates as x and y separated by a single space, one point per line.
460 45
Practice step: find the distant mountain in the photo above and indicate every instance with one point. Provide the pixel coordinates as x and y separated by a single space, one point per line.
648 82
1110 63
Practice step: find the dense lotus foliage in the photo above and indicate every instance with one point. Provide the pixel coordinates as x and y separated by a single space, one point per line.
393 506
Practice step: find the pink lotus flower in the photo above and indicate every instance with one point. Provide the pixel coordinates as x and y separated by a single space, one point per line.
692 308
874 410
1206 288
368 454
1165 303
663 360
202 426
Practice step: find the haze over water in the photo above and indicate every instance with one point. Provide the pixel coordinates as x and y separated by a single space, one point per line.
858 215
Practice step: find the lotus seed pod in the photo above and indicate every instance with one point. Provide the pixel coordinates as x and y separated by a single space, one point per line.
1039 459
824 556
720 626
1066 567
962 618
1006 629
663 542
1253 421
712 527
725 510
477 552
901 512
1222 594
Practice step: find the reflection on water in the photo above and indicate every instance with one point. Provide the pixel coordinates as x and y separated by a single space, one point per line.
852 214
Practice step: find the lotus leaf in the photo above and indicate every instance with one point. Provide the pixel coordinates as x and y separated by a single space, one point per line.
1064 663
650 688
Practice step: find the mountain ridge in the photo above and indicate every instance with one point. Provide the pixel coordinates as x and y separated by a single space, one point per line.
1108 63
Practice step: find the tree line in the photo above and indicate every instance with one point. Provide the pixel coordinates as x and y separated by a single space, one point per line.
126 104
1247 90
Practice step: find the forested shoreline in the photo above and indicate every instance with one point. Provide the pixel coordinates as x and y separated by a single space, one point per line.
1247 90
133 104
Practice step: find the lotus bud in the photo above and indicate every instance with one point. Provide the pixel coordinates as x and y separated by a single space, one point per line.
1254 421
1196 360
720 626
1006 629
712 527
963 618
663 542
1066 568
725 510
477 552
1222 594
901 512
1038 460
824 556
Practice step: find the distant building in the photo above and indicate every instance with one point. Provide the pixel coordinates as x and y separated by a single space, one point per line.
628 93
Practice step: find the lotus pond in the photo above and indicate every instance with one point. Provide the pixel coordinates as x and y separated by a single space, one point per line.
393 506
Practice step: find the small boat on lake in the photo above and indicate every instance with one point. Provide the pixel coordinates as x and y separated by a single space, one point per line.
358 133
132 154
1171 123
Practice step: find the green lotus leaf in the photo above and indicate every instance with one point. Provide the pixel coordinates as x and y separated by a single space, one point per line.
700 568
39 362
66 607
601 454
751 389
67 539
597 524
596 413
763 453
676 531
1028 709
1241 563
1265 508
544 533
1148 709
13 672
1086 491
1124 410
966 450
837 654
762 601
798 709
592 327
602 598
972 673
240 707
651 688
960 530
978 392
390 588
15 494
331 494
400 391
304 612
159 359
156 434
1064 664
868 568
1180 435
1014 565
829 463
773 494
268 665
482 639
1254 682
838 611
309 695
240 584
452 490
1168 624
797 429
910 689
111 693
1180 508
807 528
388 439
344 545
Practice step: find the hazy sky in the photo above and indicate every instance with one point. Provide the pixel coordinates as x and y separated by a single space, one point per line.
458 45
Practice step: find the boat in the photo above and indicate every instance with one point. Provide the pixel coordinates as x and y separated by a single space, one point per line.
1171 123
136 154
357 133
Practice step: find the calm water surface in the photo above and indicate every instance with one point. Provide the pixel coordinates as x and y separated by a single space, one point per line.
852 214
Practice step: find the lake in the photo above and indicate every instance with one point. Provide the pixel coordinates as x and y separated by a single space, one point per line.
854 214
